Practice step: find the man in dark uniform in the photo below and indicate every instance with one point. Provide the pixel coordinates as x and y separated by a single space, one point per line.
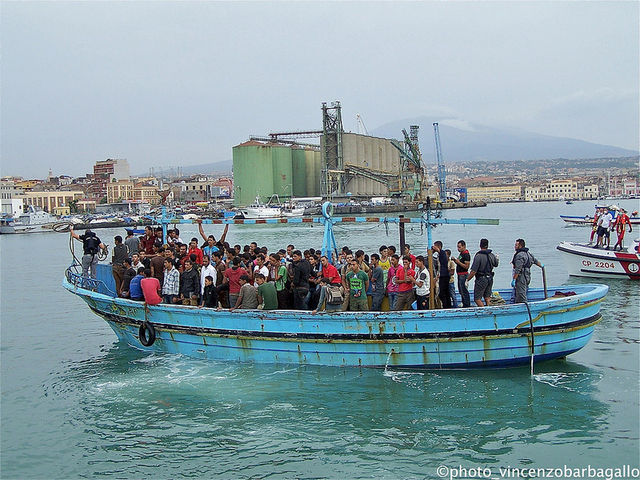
482 268
91 245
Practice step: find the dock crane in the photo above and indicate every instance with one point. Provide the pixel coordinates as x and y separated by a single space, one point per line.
442 182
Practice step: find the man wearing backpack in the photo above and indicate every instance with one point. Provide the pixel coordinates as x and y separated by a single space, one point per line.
522 261
482 268
91 245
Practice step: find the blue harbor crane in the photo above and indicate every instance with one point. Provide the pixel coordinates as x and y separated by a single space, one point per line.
442 181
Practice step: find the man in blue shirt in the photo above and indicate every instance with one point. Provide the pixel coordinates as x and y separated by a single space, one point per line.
135 290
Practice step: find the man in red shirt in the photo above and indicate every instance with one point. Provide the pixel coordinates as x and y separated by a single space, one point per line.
193 248
405 277
232 278
407 253
150 287
147 242
330 272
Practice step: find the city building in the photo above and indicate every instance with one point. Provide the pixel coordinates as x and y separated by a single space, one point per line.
495 193
10 198
48 201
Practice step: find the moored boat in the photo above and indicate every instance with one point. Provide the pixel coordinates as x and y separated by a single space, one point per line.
587 261
260 210
33 220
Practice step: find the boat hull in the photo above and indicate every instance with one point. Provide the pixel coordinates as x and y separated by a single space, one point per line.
494 336
586 261
588 220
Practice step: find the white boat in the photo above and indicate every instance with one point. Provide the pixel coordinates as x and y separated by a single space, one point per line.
34 220
587 220
260 210
291 210
587 261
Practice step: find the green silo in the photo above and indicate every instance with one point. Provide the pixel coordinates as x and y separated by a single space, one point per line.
299 166
252 172
282 171
313 160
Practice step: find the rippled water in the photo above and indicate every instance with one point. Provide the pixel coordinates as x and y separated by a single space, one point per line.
76 403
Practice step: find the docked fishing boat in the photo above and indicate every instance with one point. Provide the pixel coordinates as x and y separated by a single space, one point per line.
33 220
260 210
587 261
292 210
547 327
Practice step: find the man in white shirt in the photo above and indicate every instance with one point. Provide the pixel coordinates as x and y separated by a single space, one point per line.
604 224
422 283
135 262
260 267
207 270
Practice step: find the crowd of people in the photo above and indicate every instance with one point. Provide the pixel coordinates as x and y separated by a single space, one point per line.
214 274
604 222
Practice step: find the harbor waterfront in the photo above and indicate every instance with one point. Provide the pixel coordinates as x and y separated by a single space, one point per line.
77 403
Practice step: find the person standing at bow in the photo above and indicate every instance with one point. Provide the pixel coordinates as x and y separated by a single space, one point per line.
522 262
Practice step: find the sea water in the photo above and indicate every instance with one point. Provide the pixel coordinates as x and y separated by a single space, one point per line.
76 403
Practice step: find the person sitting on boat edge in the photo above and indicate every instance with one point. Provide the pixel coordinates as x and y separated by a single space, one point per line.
150 288
247 296
135 290
330 297
482 267
522 262
171 283
91 245
209 297
356 283
267 295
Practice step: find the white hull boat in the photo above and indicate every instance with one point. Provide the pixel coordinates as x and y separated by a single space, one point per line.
32 221
587 261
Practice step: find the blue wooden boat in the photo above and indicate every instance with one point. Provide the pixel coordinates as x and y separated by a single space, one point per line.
494 336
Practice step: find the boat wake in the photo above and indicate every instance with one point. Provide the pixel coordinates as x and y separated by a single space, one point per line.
573 382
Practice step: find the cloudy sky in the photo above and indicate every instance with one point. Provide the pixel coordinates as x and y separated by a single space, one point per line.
180 83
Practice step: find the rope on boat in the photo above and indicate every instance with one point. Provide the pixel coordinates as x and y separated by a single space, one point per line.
532 336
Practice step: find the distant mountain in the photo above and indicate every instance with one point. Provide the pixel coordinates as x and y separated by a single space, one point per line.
225 167
465 142
462 141
220 168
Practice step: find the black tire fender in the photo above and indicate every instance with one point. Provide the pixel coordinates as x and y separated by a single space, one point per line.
147 334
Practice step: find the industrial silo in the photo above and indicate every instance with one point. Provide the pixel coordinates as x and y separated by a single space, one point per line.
313 160
252 172
299 167
282 170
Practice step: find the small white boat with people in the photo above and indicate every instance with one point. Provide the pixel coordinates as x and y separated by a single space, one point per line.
588 220
585 260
